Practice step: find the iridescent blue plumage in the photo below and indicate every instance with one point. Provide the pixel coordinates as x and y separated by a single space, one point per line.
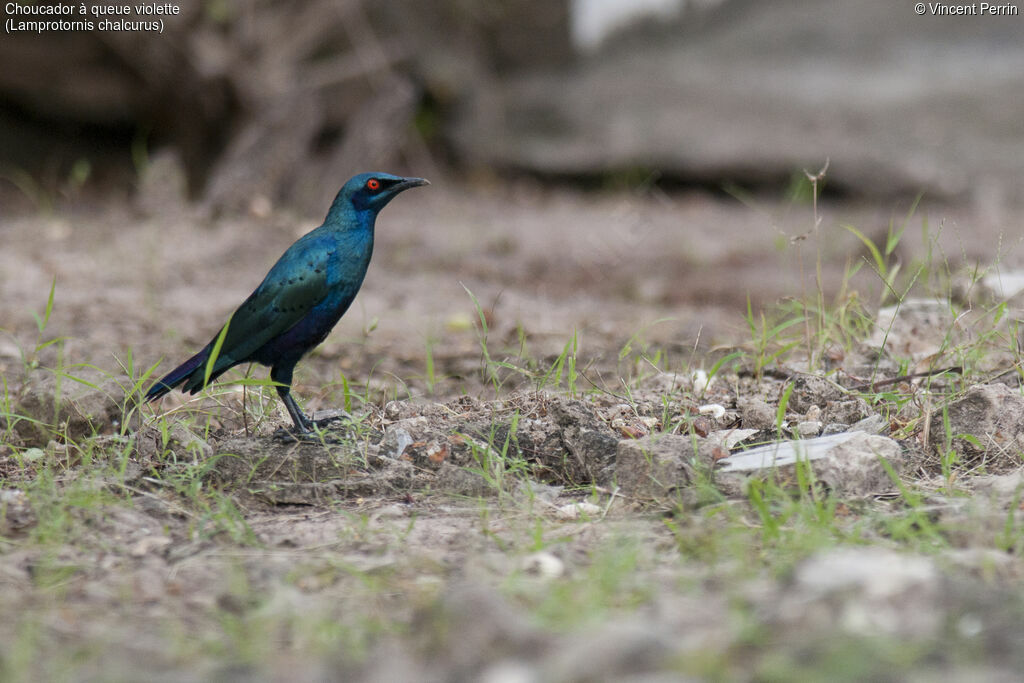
302 297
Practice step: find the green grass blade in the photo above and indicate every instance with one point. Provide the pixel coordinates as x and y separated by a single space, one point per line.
42 322
875 254
215 352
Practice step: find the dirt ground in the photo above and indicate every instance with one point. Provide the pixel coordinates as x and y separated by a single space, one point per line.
430 575
676 271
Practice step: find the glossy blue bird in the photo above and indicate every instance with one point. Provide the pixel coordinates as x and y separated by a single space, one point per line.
302 297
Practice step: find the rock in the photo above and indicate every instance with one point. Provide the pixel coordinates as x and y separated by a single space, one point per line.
530 491
472 623
150 580
507 671
579 509
834 428
848 463
715 411
988 562
872 424
846 410
994 287
1003 284
655 466
181 441
916 328
811 391
460 481
807 429
540 441
854 468
993 415
817 398
16 513
149 544
400 410
72 409
391 479
731 438
591 444
186 440
866 591
424 442
543 564
619 650
698 380
756 414
1004 487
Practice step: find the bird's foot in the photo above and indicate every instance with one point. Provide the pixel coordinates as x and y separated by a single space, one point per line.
326 417
314 430
286 435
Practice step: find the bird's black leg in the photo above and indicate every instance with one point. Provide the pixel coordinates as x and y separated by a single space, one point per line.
303 425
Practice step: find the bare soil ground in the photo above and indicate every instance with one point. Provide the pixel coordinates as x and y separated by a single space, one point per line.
197 546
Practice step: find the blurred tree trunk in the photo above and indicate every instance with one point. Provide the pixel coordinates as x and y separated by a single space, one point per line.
261 100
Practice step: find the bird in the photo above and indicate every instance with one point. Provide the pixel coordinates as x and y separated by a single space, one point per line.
300 300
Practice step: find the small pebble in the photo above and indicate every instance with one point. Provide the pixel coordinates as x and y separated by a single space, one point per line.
715 410
543 564
701 381
808 428
148 544
579 509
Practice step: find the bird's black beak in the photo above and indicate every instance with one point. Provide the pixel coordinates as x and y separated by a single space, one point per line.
406 183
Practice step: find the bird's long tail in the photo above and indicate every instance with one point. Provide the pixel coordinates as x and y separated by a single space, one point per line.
179 375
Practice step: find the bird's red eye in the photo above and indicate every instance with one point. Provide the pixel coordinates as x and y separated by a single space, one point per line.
373 184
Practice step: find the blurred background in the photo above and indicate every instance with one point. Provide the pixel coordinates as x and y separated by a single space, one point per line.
597 164
258 100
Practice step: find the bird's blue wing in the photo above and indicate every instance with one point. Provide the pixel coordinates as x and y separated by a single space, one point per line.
294 286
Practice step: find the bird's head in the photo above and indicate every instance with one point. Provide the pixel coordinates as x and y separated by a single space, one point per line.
372 191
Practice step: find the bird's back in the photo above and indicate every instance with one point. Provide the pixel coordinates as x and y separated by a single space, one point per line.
302 297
